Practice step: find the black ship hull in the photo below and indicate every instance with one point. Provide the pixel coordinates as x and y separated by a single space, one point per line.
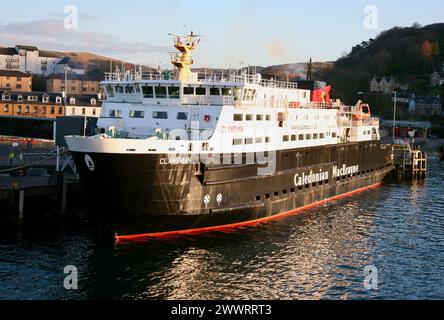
145 195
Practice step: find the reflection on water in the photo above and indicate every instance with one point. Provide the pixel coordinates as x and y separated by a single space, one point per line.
320 254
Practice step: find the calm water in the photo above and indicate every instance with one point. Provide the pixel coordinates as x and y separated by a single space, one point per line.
322 253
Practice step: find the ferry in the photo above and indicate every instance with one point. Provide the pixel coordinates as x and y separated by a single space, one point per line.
189 152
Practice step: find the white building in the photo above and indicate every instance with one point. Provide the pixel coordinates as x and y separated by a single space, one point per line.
29 59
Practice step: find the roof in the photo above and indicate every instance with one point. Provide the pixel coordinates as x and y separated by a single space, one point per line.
27 48
12 73
70 63
83 100
427 99
73 76
8 51
407 124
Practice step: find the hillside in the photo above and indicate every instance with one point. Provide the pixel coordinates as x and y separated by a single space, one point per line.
410 54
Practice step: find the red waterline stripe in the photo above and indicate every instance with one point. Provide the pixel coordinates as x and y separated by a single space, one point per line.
139 237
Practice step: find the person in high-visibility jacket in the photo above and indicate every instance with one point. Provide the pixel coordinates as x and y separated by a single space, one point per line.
11 157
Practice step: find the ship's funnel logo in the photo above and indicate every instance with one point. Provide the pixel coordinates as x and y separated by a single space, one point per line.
89 162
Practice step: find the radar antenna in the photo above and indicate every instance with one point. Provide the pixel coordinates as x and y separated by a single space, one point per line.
185 44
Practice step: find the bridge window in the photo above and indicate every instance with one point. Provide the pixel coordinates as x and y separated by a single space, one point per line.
182 116
249 117
322 135
188 91
333 134
267 139
285 138
301 137
201 91
119 89
259 140
308 136
248 140
315 136
259 117
129 89
161 92
227 91
148 92
268 117
137 114
160 115
215 91
293 137
174 92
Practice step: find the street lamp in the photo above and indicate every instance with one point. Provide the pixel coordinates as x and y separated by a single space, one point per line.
394 114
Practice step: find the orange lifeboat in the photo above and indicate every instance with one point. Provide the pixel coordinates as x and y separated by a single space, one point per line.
362 112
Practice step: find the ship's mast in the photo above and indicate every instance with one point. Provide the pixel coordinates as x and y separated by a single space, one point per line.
182 60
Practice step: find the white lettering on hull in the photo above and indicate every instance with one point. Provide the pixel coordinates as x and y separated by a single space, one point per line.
175 161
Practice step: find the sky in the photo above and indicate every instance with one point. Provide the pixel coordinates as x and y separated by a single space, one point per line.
235 32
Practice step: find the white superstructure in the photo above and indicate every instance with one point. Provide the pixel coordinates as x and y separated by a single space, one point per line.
231 113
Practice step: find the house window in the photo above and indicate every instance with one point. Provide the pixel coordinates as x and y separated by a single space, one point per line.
6 97
160 115
93 101
83 111
94 112
72 101
45 99
52 110
73 111
19 98
27 109
6 109
58 99
18 86
19 109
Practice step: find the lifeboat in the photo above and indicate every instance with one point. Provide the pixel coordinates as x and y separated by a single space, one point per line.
362 112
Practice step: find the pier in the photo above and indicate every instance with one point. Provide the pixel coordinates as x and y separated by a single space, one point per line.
409 162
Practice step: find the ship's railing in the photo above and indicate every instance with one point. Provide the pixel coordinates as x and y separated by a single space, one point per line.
135 76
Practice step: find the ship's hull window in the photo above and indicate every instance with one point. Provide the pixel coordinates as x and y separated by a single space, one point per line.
160 115
182 116
137 114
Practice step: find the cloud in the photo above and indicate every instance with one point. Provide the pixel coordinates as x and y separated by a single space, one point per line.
51 35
